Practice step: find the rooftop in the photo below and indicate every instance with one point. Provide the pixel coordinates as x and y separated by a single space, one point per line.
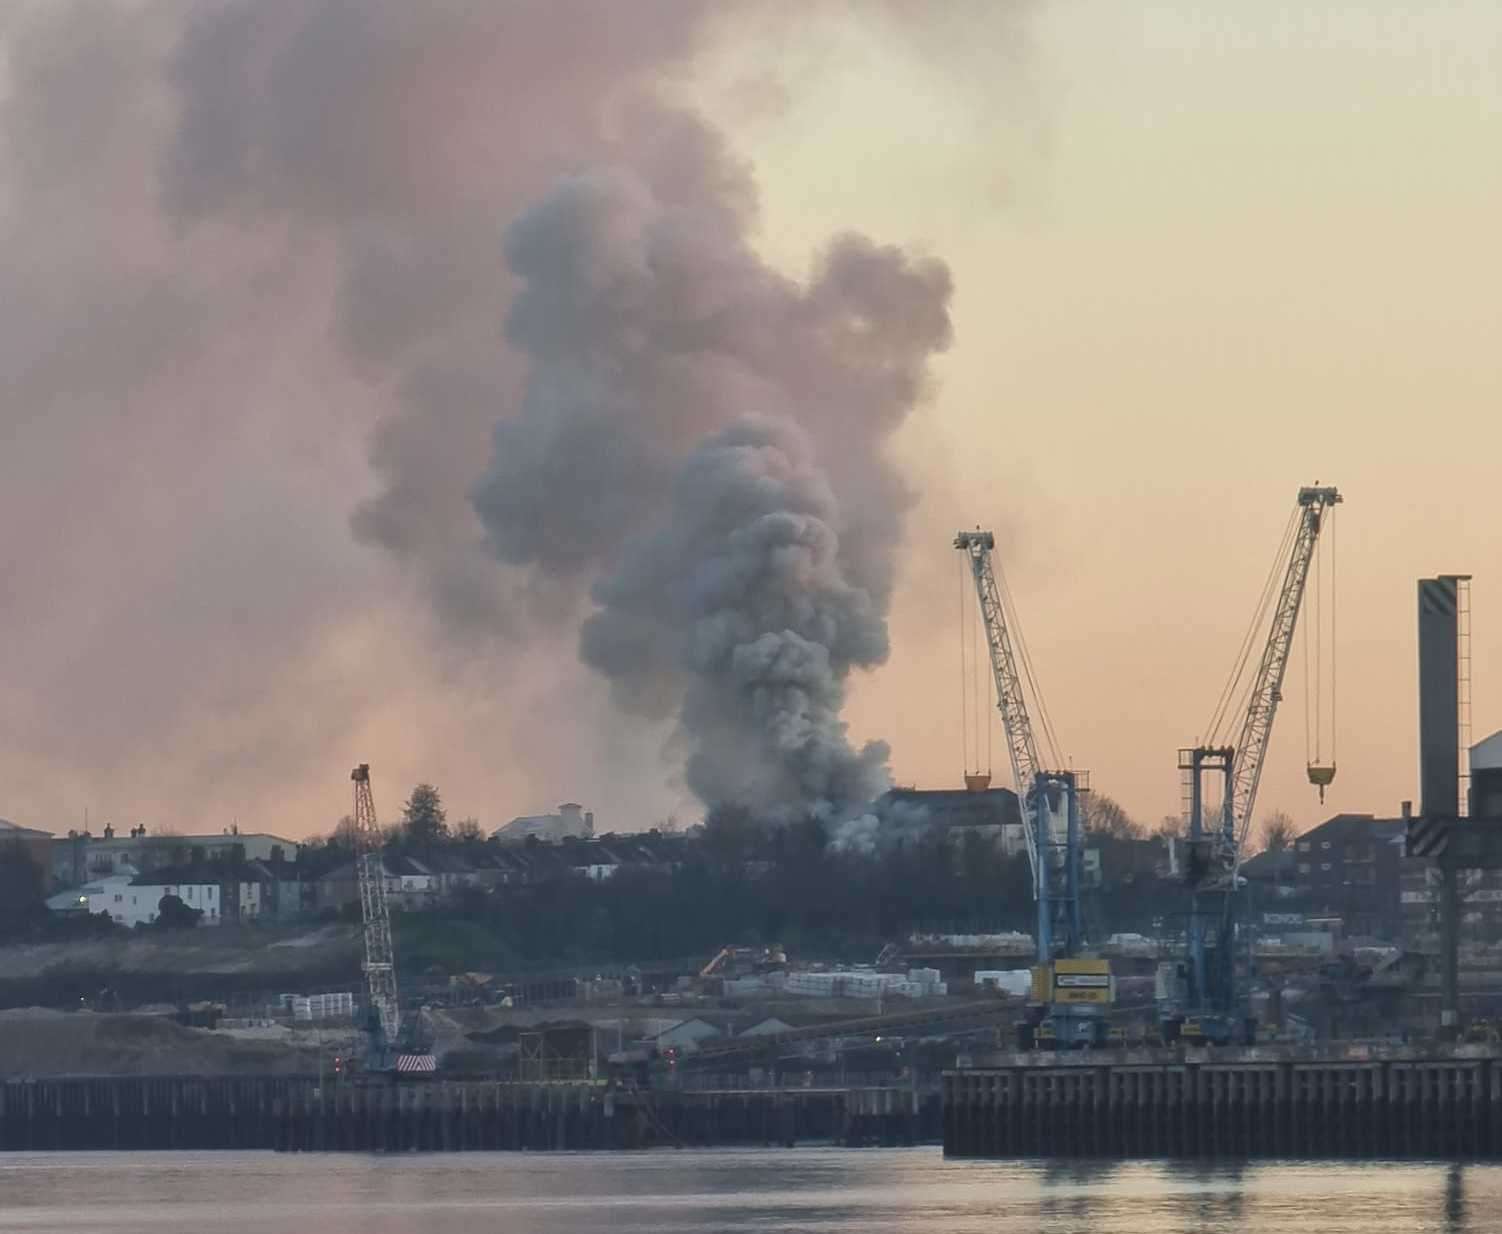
956 807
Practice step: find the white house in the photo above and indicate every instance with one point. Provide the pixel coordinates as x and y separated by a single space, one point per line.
203 896
104 895
130 903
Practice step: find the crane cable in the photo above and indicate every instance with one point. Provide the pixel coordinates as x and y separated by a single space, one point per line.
1045 721
1314 724
1224 712
977 673
1334 642
991 710
1308 706
964 675
1232 703
1319 649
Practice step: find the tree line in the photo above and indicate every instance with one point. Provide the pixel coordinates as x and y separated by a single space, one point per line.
740 883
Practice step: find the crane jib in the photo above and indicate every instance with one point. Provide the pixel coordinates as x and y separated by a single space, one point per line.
1245 759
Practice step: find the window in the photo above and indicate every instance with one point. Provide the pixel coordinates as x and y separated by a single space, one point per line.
1324 843
1324 865
119 897
1303 867
1303 846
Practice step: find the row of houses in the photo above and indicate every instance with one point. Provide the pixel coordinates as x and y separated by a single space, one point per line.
233 890
415 882
226 892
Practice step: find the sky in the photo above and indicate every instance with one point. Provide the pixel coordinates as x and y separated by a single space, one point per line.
1200 254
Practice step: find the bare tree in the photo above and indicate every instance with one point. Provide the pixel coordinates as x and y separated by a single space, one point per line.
1104 816
344 835
1278 831
1170 825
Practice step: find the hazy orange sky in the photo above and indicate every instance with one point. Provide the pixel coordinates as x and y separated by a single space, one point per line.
1203 253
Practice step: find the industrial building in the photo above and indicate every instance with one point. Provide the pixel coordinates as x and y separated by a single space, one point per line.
1479 889
992 813
36 844
572 821
81 856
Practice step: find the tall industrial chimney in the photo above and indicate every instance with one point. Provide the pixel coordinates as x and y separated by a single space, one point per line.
1439 697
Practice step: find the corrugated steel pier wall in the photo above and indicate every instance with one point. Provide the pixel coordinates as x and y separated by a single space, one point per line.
294 1114
1251 1106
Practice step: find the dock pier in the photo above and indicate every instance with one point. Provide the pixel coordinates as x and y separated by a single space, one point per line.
304 1114
1257 1102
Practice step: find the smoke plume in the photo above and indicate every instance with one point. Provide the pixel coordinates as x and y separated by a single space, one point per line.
709 437
453 278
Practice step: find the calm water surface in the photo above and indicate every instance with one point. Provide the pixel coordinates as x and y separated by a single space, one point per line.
723 1191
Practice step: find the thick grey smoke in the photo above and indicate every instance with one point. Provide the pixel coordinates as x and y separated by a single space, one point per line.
252 281
742 598
451 275
713 436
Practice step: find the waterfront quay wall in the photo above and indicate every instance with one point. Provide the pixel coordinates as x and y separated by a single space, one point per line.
1259 1102
295 1114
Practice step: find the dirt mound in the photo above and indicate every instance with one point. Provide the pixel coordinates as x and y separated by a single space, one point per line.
222 949
36 1042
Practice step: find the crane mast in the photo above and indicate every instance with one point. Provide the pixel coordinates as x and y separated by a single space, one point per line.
1049 799
380 963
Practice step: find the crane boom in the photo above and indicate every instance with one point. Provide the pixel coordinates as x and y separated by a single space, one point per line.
380 962
1011 699
1267 687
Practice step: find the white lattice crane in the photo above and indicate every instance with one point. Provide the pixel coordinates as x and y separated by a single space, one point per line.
379 962
1049 799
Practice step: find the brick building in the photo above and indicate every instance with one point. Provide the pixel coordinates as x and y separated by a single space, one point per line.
1347 872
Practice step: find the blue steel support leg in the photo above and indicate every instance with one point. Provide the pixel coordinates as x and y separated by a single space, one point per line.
1073 857
1039 823
1197 973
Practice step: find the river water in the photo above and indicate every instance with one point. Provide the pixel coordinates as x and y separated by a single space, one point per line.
698 1192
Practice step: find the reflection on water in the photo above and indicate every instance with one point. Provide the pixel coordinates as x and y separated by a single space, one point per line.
826 1190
